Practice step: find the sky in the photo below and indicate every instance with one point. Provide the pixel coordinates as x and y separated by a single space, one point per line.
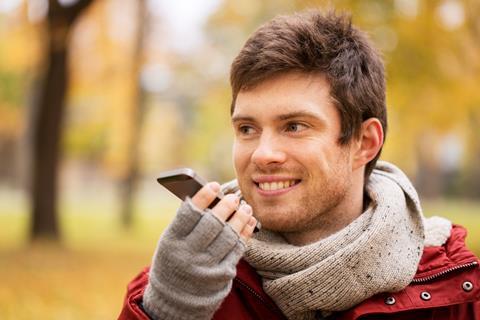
184 19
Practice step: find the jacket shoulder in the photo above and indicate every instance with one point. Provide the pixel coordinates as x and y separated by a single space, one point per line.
452 254
447 284
132 309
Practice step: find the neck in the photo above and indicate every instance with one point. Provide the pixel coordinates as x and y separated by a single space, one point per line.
327 223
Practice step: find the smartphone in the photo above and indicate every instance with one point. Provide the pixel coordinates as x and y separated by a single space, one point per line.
185 182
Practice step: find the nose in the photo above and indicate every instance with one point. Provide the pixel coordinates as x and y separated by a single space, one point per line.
269 152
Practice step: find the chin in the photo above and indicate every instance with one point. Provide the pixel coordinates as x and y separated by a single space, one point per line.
281 227
277 220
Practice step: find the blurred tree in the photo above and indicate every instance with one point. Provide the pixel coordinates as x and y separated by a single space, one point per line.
472 172
19 51
48 118
128 182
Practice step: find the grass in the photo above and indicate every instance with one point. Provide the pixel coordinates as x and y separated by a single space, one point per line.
85 276
46 281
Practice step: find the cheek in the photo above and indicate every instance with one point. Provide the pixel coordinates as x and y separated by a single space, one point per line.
240 157
327 148
315 153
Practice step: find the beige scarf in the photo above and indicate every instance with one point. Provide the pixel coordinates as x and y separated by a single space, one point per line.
377 252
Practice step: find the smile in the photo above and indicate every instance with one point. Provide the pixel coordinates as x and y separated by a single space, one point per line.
277 185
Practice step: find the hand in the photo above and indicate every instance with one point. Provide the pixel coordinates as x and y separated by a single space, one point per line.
242 220
196 257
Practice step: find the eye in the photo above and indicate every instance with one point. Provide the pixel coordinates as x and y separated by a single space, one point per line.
295 127
246 130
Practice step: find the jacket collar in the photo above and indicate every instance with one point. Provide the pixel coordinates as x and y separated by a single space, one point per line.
440 259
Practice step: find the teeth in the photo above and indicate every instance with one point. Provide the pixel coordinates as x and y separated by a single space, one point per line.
270 186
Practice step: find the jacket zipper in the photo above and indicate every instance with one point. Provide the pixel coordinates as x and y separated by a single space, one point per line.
246 286
444 272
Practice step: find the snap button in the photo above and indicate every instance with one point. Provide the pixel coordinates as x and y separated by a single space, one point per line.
390 301
425 296
467 286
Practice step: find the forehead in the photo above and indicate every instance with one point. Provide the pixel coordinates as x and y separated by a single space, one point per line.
286 93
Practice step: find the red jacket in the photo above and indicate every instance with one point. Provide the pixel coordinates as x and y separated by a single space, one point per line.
446 286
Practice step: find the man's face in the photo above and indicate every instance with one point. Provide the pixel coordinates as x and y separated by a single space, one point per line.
288 162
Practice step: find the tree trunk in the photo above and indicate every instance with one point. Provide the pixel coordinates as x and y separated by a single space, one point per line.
48 120
128 184
46 146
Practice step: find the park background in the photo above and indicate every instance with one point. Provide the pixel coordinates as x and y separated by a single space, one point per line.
141 86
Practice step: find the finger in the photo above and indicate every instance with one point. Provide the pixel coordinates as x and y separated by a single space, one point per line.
206 195
234 255
223 244
240 218
247 231
185 220
206 231
224 209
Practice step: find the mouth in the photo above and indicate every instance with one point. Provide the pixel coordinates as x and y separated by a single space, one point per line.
276 186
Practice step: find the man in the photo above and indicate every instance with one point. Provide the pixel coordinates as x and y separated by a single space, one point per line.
343 236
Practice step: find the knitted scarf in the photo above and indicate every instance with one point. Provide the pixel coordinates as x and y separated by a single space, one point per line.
377 252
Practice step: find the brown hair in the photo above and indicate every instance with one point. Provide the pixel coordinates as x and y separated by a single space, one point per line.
312 42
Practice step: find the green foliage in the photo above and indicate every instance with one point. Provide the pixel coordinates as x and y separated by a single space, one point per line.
11 89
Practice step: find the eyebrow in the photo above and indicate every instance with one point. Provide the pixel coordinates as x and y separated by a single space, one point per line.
239 118
299 114
282 117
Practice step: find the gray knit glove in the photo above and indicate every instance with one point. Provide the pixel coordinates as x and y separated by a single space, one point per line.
193 266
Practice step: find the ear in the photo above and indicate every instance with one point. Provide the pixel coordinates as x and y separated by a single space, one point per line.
369 143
